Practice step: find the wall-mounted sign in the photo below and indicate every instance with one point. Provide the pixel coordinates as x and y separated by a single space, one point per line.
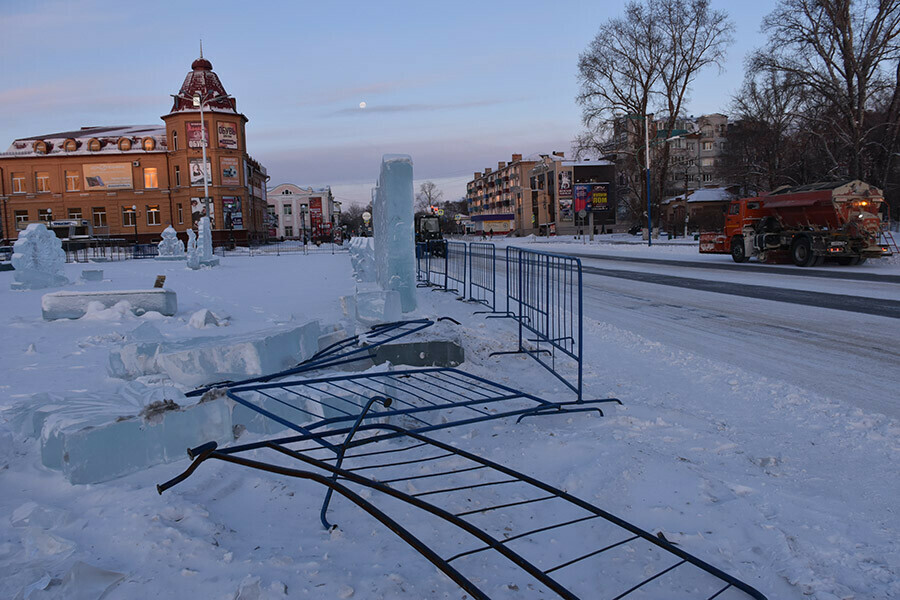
230 174
197 136
227 133
107 176
564 184
196 172
198 211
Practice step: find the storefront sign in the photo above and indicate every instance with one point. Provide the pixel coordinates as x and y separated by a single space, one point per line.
230 171
592 197
197 172
197 137
107 176
227 132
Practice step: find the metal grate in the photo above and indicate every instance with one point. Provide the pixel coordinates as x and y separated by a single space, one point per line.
421 400
487 527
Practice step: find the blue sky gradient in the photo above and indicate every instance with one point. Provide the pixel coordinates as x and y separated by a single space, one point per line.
459 86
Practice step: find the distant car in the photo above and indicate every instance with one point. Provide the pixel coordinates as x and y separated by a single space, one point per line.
636 229
6 252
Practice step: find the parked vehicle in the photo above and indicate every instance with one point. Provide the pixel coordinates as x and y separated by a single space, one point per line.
428 230
804 224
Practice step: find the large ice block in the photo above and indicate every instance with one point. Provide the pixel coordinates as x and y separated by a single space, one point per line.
394 230
74 305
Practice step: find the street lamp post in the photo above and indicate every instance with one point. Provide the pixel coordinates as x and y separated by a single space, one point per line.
646 119
303 211
134 222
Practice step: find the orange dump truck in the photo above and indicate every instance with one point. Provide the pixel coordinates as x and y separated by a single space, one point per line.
803 224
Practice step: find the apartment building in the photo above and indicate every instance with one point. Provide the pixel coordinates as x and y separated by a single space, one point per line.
495 197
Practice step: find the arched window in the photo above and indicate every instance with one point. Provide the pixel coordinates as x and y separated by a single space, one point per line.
40 147
286 192
174 140
148 143
94 145
70 145
124 144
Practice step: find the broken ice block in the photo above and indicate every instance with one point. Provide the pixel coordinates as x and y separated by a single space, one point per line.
74 305
378 306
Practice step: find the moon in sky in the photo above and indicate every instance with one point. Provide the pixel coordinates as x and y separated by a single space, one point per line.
362 104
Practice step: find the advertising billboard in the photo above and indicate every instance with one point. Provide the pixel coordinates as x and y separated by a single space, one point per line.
198 211
227 133
196 172
592 197
197 137
107 176
234 218
564 184
229 171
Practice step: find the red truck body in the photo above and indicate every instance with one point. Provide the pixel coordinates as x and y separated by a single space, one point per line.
803 224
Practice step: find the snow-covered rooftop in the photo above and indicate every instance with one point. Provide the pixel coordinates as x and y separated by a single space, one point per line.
108 135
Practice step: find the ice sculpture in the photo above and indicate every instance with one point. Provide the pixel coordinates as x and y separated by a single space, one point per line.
204 243
394 234
38 259
362 259
193 253
170 248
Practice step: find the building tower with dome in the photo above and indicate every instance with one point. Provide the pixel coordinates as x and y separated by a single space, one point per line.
131 182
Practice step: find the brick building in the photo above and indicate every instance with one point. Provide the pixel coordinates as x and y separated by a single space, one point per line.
133 181
495 198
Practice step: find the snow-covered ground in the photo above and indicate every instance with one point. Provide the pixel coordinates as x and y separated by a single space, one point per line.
789 489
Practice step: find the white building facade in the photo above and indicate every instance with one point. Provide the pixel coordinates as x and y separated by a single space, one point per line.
301 213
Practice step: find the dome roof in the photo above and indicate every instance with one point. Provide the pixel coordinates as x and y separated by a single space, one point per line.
203 80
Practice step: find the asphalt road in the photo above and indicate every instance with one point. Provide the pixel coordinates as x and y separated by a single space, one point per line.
840 346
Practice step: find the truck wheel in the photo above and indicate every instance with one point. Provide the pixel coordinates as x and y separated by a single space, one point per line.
737 249
801 252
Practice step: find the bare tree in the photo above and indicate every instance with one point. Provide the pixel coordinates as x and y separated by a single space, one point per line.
428 195
643 62
844 51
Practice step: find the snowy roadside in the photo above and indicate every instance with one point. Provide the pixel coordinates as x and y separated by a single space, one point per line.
785 489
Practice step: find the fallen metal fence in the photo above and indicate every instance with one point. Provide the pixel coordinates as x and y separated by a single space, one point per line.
548 292
455 268
481 523
483 274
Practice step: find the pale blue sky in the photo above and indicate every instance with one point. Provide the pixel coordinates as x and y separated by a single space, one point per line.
457 85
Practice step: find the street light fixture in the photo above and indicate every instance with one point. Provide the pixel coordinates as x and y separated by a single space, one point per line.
198 101
646 119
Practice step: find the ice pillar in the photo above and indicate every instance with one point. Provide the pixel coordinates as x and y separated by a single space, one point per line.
392 209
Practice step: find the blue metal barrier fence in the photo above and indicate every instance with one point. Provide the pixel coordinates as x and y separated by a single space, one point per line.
483 274
548 291
455 267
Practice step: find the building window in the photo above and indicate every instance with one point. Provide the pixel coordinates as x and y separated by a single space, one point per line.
177 176
42 181
70 145
287 209
286 193
288 231
148 143
73 181
99 215
124 144
180 213
707 145
706 162
40 147
45 215
129 217
153 215
18 183
151 180
94 145
174 140
74 213
707 177
21 219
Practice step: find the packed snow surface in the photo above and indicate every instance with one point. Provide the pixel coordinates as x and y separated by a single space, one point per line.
768 477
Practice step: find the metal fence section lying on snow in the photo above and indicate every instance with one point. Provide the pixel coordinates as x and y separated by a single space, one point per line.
483 274
547 295
481 523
